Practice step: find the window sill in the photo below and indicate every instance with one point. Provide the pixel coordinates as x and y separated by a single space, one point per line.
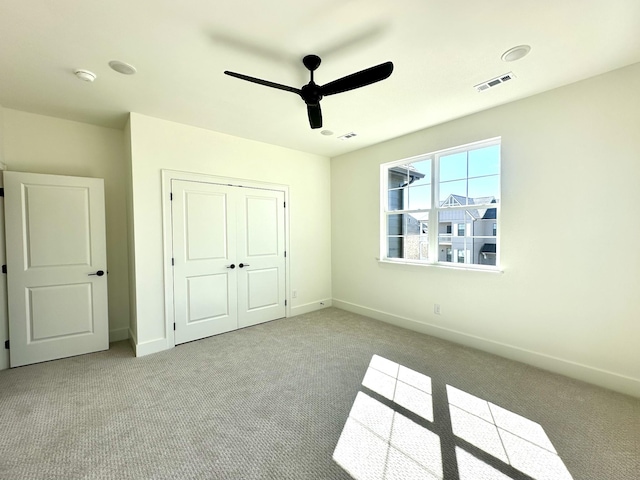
440 265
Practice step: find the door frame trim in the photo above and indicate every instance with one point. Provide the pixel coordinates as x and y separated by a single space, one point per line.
167 234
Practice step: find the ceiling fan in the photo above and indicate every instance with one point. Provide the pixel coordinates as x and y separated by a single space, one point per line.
312 93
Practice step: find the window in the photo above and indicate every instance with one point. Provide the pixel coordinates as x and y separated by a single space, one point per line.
457 191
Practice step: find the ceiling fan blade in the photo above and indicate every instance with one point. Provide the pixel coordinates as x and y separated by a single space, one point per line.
315 115
266 83
358 79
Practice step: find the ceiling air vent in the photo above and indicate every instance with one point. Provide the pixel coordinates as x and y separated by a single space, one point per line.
494 81
347 136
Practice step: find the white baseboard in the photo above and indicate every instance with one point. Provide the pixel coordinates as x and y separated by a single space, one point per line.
586 373
118 334
152 346
311 307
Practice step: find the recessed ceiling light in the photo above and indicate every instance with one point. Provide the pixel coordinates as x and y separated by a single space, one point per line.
515 53
326 133
85 75
122 67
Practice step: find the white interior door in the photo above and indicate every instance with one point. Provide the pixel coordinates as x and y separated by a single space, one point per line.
204 249
228 258
261 250
56 266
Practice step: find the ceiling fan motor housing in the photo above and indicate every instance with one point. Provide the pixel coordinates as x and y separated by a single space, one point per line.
312 93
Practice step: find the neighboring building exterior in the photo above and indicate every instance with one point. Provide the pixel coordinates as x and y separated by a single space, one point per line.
469 235
464 235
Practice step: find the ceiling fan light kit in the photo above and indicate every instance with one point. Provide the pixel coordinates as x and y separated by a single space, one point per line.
312 93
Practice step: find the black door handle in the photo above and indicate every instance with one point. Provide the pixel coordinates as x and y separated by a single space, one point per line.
244 265
232 266
98 273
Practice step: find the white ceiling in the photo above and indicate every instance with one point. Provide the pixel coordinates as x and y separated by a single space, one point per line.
440 50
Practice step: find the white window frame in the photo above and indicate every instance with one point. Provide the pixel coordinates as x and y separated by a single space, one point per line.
435 209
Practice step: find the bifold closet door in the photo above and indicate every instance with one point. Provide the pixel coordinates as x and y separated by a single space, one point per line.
229 267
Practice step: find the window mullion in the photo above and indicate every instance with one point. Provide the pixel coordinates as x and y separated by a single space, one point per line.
433 211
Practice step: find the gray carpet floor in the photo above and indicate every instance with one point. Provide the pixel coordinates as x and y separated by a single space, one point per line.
271 401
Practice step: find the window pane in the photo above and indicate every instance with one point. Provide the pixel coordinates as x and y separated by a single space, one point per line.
420 172
472 248
457 188
416 242
395 247
396 199
484 161
419 197
484 188
398 176
416 248
395 224
408 236
453 167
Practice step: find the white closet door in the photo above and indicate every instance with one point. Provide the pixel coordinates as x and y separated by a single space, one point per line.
228 255
261 250
205 270
56 262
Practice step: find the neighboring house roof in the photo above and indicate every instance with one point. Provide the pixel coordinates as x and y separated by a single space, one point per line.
404 170
490 214
488 248
476 213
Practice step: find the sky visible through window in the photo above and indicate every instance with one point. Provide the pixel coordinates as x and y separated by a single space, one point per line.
473 174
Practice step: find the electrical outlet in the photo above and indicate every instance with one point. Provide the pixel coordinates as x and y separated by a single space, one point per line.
294 293
436 308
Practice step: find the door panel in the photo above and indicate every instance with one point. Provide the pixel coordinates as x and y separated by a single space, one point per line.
55 240
261 225
55 245
261 244
208 297
205 296
262 288
206 225
47 304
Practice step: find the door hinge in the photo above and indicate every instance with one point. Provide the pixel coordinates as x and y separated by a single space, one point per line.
6 344
172 262
4 269
171 196
285 204
1 192
285 303
174 327
285 254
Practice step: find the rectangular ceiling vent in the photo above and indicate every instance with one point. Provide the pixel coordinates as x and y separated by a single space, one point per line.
494 82
347 136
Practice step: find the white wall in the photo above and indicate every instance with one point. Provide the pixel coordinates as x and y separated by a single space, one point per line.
40 144
159 144
569 297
